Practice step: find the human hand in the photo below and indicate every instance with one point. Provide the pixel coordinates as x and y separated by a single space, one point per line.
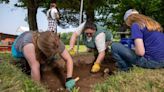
95 68
70 84
72 52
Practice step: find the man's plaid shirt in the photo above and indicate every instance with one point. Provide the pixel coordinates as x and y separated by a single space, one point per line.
52 25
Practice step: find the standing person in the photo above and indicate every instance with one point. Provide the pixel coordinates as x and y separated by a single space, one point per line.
39 47
53 16
94 37
149 43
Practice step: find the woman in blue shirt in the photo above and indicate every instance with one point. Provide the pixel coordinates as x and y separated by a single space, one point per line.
149 43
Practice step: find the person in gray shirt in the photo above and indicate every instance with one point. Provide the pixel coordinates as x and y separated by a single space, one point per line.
37 47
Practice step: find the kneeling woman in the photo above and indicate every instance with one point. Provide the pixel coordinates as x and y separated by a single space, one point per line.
37 47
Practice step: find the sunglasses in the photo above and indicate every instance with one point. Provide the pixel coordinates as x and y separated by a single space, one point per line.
88 33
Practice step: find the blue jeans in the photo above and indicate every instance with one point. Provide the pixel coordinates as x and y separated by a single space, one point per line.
126 58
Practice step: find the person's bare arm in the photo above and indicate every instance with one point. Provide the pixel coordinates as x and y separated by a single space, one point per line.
69 62
73 40
139 47
76 33
100 57
101 46
30 55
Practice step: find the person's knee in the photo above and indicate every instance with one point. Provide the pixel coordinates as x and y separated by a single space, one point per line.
115 46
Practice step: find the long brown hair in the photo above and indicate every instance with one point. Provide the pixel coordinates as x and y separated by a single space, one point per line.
46 44
144 21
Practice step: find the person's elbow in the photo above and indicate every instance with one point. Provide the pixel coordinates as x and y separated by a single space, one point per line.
139 47
102 53
140 53
65 55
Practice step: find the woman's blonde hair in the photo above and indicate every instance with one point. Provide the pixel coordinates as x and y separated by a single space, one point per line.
46 44
144 21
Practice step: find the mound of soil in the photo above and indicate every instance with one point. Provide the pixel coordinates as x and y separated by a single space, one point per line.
54 77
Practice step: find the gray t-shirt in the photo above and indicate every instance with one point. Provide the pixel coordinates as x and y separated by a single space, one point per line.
61 47
22 40
26 38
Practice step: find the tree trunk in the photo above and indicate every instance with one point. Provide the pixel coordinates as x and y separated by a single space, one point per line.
32 11
90 11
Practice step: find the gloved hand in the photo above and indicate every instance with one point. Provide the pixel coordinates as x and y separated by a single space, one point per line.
72 52
95 68
70 84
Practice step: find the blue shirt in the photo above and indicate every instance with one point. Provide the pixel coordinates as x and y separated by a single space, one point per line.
153 42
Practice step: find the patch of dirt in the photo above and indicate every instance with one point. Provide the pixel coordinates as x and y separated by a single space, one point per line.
54 77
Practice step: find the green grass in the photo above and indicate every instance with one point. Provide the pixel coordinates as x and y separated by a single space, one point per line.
13 80
82 48
136 80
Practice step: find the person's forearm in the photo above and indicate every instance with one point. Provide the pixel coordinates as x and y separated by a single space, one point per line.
35 74
73 40
69 68
100 57
69 62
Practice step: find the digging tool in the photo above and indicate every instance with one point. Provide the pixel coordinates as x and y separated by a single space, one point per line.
76 79
72 81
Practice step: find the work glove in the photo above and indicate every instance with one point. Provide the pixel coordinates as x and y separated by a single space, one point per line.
95 68
72 52
70 83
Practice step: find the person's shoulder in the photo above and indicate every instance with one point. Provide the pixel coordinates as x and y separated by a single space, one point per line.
135 25
48 10
53 9
100 35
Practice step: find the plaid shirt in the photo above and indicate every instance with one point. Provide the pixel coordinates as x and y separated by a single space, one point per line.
52 21
52 25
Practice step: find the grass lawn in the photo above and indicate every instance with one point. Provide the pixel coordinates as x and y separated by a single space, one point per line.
136 80
13 80
82 48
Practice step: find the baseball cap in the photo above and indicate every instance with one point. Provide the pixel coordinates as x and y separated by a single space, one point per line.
130 12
